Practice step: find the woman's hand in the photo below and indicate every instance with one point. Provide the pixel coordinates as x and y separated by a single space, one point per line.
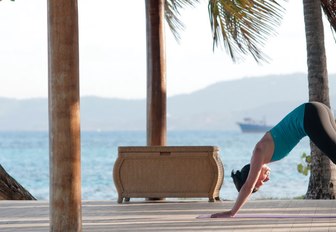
226 214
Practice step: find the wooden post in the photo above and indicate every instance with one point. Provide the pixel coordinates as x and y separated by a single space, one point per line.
64 121
156 73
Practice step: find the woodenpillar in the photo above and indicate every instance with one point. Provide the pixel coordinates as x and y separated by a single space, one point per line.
156 73
64 121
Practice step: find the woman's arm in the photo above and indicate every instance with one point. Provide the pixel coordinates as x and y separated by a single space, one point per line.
256 167
243 195
247 188
260 155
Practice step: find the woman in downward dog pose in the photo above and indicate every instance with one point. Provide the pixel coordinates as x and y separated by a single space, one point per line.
312 119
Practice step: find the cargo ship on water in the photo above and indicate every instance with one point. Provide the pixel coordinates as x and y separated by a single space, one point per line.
249 125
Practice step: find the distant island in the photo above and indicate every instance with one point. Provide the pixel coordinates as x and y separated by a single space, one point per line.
217 107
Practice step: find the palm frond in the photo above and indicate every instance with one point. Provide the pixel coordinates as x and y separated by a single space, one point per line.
243 26
172 14
329 8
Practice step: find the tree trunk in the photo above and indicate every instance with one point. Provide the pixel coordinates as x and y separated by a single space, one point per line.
10 189
323 173
156 73
64 121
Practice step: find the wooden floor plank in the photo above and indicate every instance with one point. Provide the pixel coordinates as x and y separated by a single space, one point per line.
258 215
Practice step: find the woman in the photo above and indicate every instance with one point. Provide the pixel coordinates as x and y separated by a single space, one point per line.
312 119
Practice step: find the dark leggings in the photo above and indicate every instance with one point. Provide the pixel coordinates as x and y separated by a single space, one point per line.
320 127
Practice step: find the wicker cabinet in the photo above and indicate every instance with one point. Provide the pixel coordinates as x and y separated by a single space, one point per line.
168 171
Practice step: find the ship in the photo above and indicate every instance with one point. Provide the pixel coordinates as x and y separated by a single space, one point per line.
250 125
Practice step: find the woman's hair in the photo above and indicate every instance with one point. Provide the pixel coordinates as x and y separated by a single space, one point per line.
239 178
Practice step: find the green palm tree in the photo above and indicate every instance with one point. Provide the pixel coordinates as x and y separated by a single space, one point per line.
243 27
322 182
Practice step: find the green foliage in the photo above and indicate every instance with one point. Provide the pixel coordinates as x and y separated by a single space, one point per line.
302 197
172 14
244 26
305 165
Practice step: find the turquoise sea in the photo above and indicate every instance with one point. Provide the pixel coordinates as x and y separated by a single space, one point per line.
25 156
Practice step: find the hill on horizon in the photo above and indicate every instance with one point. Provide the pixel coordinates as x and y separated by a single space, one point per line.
216 107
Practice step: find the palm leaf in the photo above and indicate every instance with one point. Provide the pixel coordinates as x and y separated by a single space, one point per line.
172 14
329 8
243 26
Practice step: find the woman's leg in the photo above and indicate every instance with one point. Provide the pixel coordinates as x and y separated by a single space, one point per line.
320 128
331 116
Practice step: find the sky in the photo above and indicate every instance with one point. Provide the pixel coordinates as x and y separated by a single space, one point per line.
112 41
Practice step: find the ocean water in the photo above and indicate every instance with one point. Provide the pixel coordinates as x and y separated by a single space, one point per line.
25 156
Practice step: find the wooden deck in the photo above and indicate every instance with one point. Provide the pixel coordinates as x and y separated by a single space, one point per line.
258 215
